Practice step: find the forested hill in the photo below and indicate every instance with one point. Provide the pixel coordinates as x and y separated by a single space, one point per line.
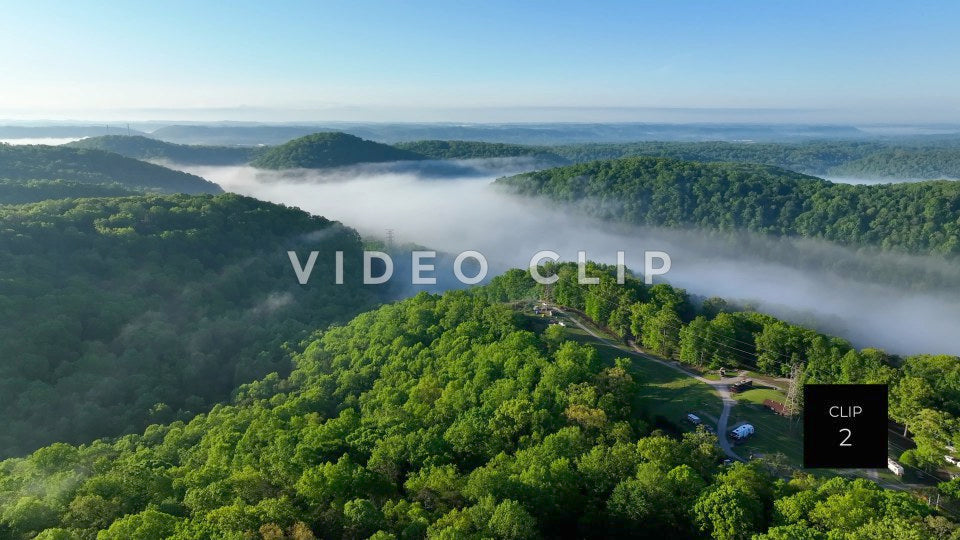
894 160
95 167
921 217
904 163
145 148
479 150
323 150
436 417
120 311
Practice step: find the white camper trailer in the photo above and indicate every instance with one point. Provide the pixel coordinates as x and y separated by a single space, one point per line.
742 432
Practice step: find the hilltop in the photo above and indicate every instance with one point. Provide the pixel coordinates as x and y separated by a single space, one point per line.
38 162
324 150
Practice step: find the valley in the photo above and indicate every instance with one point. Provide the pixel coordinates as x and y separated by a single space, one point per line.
423 270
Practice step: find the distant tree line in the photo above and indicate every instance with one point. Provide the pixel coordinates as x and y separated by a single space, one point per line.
480 150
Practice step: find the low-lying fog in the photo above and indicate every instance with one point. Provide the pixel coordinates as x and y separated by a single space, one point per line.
49 141
904 304
872 181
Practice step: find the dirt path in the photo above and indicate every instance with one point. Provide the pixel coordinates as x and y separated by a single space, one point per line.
722 386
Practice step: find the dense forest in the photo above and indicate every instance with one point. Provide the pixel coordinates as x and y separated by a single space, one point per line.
904 163
479 150
861 159
908 159
913 217
27 191
440 417
807 158
122 311
323 150
145 148
924 389
38 162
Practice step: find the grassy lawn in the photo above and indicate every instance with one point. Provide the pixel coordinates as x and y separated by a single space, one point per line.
671 394
774 433
758 395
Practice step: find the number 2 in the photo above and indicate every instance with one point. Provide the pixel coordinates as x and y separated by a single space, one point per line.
847 438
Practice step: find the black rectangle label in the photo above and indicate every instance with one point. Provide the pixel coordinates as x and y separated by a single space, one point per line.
845 426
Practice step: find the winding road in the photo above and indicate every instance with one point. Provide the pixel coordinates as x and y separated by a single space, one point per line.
722 386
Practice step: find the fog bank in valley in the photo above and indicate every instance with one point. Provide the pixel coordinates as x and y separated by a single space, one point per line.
872 299
49 141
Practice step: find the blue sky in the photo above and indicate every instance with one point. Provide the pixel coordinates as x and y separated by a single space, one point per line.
469 61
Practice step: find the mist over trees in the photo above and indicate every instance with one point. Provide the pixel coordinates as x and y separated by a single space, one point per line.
174 326
913 217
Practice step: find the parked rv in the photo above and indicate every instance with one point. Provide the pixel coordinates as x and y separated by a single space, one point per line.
742 432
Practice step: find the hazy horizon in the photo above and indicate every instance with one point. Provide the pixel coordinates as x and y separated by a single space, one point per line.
502 62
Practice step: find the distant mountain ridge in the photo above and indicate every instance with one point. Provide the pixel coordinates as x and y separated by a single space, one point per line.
326 150
543 133
33 132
